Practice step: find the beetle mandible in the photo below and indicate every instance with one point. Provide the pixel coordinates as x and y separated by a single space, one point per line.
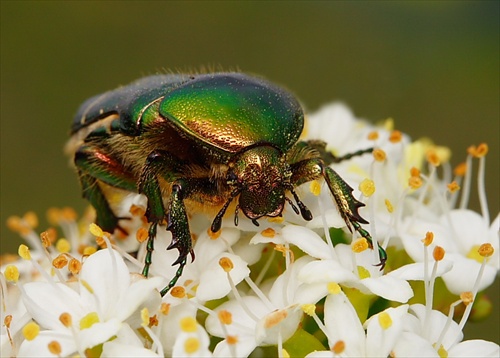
209 139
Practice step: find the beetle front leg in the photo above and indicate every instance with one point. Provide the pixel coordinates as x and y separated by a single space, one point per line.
347 204
161 163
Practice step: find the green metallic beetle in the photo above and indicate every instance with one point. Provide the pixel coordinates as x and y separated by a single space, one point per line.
201 142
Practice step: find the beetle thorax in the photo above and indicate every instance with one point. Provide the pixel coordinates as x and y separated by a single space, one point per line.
261 177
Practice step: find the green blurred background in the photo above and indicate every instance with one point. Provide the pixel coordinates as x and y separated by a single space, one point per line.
432 66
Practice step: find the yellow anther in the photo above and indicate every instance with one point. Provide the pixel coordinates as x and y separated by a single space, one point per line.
269 232
24 252
178 292
136 210
225 317
442 352
188 324
481 150
284 250
379 155
60 261
460 169
367 187
429 237
191 345
438 253
213 235
48 237
74 266
11 273
315 187
7 320
308 308
467 297
54 348
96 230
89 250
31 219
284 353
231 340
275 318
333 288
415 182
385 320
69 214
54 216
395 136
389 206
372 135
63 245
433 158
226 264
144 316
338 348
360 245
89 320
453 187
31 330
414 172
363 272
141 234
276 219
153 321
66 319
165 308
486 250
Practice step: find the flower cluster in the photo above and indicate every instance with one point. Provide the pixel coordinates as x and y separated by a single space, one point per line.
286 288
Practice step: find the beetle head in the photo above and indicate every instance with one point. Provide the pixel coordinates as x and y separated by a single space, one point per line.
261 176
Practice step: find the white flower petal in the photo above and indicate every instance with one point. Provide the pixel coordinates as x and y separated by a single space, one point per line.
214 282
244 346
475 348
416 271
98 333
412 345
325 271
306 240
268 332
135 296
381 340
39 347
119 350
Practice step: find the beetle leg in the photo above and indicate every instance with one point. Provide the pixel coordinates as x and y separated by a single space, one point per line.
95 165
164 164
327 156
348 205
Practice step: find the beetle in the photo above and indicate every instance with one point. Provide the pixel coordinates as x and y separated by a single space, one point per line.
191 141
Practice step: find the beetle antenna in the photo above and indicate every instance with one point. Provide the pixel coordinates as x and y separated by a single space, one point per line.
304 211
217 223
292 205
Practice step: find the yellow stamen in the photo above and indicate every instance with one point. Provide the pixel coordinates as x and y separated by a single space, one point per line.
442 352
360 245
385 320
284 353
315 187
96 230
308 308
89 250
87 286
60 261
429 237
136 210
178 292
153 321
7 320
11 273
89 320
188 324
66 319
231 340
460 169
269 232
379 155
144 316
225 317
486 250
338 347
48 237
414 172
74 266
55 348
389 206
63 245
438 253
226 264
165 308
467 297
276 219
69 214
24 252
213 235
395 136
54 216
373 135
433 158
141 235
191 345
415 182
367 187
275 318
16 224
31 330
453 187
31 219
284 250
333 288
